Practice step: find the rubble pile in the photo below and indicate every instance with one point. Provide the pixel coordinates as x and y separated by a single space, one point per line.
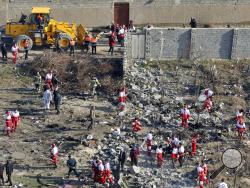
156 95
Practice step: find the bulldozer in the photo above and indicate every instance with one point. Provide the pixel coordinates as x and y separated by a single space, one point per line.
41 30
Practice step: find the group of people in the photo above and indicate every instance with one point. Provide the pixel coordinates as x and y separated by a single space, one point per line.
118 33
71 162
202 171
207 105
12 119
51 92
174 146
15 51
90 41
101 171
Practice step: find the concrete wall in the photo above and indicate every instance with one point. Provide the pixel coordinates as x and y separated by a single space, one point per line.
211 43
87 13
206 43
241 44
168 43
101 12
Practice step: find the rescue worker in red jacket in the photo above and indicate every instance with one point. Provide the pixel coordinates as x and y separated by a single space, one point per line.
202 178
240 115
194 144
101 173
48 79
54 154
185 115
241 128
14 51
208 104
205 169
122 95
121 35
15 117
149 143
174 155
111 43
136 125
159 156
108 171
8 123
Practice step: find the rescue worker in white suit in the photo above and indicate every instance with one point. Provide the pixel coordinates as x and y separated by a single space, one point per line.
47 98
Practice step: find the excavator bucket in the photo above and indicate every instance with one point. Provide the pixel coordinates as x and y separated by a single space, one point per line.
81 33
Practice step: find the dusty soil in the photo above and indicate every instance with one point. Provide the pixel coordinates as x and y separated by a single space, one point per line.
29 145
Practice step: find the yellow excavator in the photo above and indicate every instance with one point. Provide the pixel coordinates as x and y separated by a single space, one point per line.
42 30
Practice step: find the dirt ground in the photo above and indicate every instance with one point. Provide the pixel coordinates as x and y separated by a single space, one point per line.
29 146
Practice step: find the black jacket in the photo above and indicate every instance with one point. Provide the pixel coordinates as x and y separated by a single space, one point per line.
9 167
57 96
3 47
1 169
71 163
55 81
122 156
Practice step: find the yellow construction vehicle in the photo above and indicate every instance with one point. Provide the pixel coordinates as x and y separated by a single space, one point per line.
42 30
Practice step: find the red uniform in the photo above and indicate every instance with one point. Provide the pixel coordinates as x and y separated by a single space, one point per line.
194 142
54 154
108 172
202 179
239 116
122 95
8 123
185 115
14 50
174 153
101 173
48 79
149 144
241 128
136 125
205 168
208 104
159 157
15 117
112 39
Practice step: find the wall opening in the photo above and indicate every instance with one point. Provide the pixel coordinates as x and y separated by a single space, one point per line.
121 13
